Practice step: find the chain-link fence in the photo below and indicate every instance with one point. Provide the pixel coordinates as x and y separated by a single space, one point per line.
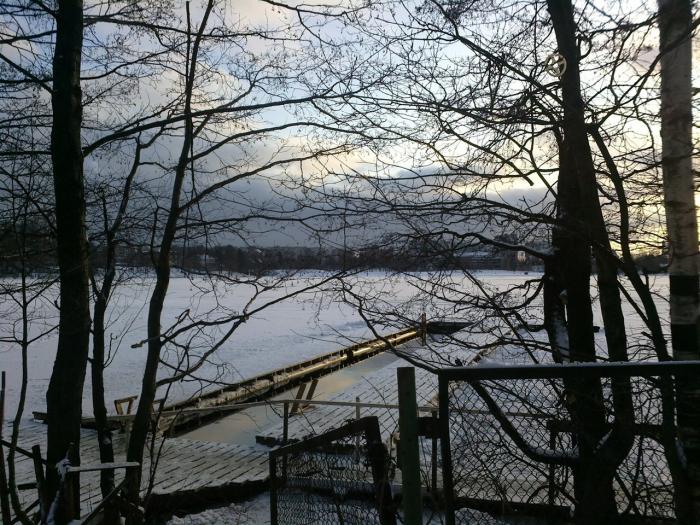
552 441
340 476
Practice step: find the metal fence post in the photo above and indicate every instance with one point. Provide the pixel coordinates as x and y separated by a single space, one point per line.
434 454
411 497
444 422
285 423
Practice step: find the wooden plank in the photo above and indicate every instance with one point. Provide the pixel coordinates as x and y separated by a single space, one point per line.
103 466
185 465
380 399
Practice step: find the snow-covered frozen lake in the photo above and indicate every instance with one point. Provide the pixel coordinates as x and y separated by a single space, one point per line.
289 331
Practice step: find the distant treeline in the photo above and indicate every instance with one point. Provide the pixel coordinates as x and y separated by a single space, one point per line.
36 253
259 260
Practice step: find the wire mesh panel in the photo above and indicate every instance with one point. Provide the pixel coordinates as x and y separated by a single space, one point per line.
340 476
489 469
541 440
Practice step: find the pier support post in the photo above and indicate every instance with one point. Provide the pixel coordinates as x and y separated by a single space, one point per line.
357 439
296 407
311 392
40 481
411 496
285 424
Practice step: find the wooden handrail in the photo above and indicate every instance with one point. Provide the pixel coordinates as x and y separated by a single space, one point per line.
319 402
21 450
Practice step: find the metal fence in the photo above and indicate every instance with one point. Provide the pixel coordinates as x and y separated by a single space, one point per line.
515 439
341 476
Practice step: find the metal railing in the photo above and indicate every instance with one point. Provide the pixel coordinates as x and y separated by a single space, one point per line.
340 476
68 500
534 439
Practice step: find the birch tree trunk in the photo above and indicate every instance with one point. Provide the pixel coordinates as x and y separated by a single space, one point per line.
64 396
675 20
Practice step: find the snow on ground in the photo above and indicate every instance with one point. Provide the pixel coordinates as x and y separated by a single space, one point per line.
287 332
257 512
252 512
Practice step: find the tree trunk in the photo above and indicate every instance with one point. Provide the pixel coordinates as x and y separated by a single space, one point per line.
675 21
142 419
65 392
593 490
583 233
141 423
102 294
104 434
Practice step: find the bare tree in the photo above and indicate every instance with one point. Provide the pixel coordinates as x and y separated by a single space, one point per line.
675 30
142 420
105 278
27 244
65 393
223 145
191 190
472 103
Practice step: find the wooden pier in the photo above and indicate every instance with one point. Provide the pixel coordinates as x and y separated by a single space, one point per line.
189 414
266 385
377 396
189 474
192 475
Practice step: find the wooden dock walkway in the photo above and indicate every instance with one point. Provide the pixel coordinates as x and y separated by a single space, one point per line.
376 388
270 383
182 416
192 475
189 474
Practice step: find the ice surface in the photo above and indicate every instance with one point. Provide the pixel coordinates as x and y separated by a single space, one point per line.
290 331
